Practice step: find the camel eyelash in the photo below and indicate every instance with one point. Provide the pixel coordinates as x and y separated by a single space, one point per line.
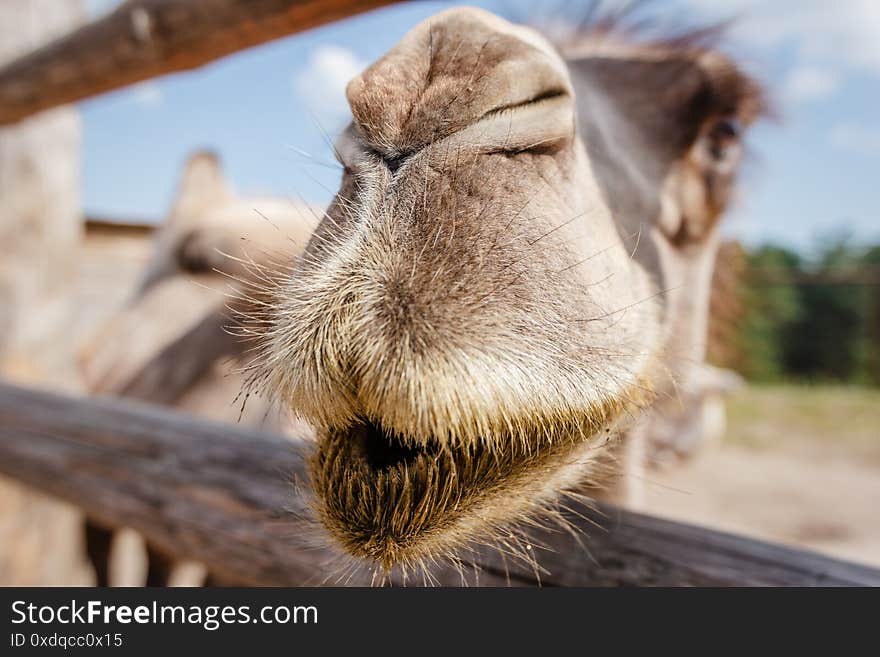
545 147
542 97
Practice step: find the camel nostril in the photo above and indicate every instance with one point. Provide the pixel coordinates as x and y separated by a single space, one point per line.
383 450
394 162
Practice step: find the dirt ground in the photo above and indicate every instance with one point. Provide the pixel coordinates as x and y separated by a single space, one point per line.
798 465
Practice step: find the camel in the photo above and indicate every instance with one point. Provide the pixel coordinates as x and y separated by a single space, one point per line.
512 283
161 345
504 307
169 344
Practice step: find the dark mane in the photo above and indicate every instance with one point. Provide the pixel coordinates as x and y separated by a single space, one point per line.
647 26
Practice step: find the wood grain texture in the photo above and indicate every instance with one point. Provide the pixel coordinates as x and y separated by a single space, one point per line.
143 39
224 496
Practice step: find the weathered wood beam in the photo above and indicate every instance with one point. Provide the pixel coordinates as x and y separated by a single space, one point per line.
143 39
225 496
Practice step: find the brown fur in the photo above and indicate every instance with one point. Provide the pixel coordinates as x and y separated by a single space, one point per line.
485 306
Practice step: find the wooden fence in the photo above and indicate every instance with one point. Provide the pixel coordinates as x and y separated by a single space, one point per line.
143 39
228 498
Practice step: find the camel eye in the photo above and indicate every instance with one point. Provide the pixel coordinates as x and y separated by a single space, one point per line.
194 256
723 138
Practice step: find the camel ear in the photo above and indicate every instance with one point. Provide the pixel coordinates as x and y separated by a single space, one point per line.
666 102
202 184
683 114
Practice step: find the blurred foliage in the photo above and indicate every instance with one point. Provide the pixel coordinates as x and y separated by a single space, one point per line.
768 310
808 319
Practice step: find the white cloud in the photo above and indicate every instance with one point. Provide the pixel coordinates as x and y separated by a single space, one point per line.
147 94
808 83
320 85
856 137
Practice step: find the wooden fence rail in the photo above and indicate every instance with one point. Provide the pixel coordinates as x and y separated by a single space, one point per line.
226 497
143 39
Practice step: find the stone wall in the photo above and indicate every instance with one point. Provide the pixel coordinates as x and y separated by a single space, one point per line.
40 236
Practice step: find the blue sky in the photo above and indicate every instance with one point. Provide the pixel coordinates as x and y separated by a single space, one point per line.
270 111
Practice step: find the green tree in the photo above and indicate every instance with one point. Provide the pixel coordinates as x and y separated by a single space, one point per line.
816 319
771 303
823 341
870 347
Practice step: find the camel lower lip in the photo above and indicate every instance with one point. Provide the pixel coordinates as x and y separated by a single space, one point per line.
394 500
380 495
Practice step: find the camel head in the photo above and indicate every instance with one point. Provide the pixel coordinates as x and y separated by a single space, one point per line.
212 233
512 271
